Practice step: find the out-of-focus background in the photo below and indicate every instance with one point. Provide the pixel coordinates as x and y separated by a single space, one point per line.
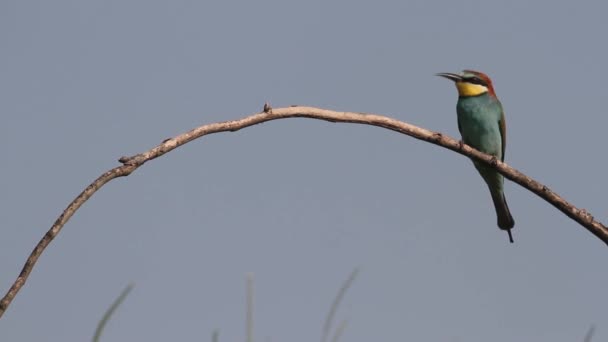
299 203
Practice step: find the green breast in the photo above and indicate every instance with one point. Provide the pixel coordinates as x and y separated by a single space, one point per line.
478 122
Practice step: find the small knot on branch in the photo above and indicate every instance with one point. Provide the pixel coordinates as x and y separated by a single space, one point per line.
267 108
130 161
124 159
586 214
436 136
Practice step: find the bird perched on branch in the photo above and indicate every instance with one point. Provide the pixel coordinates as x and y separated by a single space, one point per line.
481 122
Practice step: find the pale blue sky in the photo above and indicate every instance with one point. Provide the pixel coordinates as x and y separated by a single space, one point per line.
300 203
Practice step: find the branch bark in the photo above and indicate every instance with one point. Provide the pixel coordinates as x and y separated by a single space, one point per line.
130 164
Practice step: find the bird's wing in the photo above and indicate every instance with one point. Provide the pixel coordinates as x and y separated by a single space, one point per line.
503 133
459 128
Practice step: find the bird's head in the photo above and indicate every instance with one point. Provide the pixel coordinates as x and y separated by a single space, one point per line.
470 83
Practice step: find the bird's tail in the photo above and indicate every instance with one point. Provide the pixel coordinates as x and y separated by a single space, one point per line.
503 214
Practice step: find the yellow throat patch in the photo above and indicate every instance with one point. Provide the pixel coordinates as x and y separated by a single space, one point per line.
470 89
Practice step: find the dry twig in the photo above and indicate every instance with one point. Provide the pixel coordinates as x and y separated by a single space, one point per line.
132 163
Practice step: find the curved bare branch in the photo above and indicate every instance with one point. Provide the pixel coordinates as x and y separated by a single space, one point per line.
130 164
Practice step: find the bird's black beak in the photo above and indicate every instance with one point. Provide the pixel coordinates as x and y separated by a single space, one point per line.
450 76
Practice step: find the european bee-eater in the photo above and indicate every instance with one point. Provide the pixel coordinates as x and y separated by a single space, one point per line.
481 122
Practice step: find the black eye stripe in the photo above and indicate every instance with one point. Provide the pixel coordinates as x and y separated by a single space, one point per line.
476 80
